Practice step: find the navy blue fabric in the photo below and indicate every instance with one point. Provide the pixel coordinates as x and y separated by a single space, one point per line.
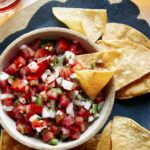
125 12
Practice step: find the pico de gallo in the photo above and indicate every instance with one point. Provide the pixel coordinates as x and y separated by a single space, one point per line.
41 92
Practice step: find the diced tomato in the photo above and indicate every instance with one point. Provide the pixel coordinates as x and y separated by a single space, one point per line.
32 77
11 114
20 86
35 44
42 67
64 100
20 62
74 128
41 87
79 120
68 121
36 124
34 108
34 90
65 132
52 95
8 101
48 136
12 68
65 72
54 129
75 135
24 71
19 111
4 84
27 52
27 95
41 53
76 48
77 66
62 45
28 129
84 113
6 89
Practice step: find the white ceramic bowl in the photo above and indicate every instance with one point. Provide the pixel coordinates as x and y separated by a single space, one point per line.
53 33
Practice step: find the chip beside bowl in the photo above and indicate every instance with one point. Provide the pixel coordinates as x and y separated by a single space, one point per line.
54 33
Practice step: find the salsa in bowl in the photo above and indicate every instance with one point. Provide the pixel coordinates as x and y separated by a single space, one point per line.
41 94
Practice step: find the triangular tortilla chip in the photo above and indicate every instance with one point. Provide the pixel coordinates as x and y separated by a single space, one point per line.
136 88
134 64
8 143
92 81
109 59
105 140
121 32
90 22
128 135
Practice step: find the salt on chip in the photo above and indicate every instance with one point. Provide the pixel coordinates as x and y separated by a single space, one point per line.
105 140
134 64
107 58
89 145
121 32
90 22
8 143
126 134
93 81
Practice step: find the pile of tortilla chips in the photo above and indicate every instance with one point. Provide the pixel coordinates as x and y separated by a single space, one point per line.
132 76
124 134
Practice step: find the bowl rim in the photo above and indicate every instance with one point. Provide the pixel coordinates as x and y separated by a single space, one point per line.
71 144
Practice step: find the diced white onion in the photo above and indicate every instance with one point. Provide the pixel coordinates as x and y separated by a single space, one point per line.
34 117
50 79
3 96
33 66
67 85
59 80
23 46
8 108
39 129
90 119
3 76
87 105
78 102
69 110
59 113
73 76
48 113
33 98
22 100
45 75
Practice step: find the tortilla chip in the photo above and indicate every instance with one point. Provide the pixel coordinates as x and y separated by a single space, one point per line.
8 143
90 22
89 145
134 64
109 59
105 140
93 81
128 135
121 32
136 88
